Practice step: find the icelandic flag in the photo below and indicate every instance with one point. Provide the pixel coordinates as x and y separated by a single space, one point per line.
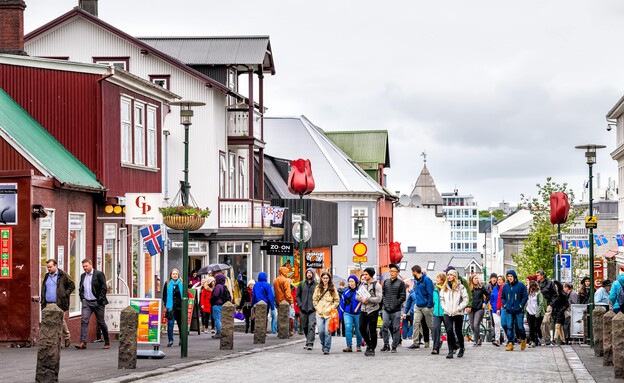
269 212
600 239
586 243
565 245
619 238
152 238
278 215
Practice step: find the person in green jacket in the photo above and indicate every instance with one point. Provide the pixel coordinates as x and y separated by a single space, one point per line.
535 310
438 314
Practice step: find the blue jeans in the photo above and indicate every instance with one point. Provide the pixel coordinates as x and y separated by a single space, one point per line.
274 321
436 332
515 327
216 316
407 324
323 331
351 320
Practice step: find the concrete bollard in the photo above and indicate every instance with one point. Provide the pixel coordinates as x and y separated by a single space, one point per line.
260 330
597 315
128 328
283 320
49 347
617 336
607 340
227 327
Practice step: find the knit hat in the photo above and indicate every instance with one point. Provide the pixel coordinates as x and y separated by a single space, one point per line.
532 277
355 279
493 275
453 272
393 266
310 270
251 282
448 268
606 282
370 271
210 280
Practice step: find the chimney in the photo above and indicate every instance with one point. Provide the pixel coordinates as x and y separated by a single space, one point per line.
90 6
12 27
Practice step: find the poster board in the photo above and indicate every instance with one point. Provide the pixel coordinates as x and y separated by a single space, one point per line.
149 319
576 320
112 316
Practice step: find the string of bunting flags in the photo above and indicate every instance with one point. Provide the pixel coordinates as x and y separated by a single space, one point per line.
274 213
599 239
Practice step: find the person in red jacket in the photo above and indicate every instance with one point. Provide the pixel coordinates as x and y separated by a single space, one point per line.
204 300
296 325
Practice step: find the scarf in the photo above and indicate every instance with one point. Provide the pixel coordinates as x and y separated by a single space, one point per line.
170 286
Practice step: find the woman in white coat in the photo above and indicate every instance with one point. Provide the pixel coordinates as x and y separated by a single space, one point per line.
454 299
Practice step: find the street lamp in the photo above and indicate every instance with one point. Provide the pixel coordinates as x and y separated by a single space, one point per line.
590 156
185 119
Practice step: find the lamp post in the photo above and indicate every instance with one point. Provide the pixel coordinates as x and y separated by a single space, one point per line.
185 119
590 156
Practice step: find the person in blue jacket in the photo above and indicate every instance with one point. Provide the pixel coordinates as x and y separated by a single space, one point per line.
263 291
496 318
613 294
350 310
421 304
514 300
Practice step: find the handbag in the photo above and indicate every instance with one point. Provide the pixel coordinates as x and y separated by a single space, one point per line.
334 321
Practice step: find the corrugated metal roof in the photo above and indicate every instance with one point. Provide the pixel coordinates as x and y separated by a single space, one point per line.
245 50
40 148
368 148
333 170
460 261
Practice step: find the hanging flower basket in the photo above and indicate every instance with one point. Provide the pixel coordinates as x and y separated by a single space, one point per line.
184 222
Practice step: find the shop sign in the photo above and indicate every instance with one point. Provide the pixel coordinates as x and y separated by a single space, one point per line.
6 252
149 319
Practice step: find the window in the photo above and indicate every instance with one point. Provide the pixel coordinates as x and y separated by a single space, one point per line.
232 84
431 265
76 252
117 62
241 177
110 255
151 137
139 134
160 80
231 175
222 174
126 131
359 231
46 243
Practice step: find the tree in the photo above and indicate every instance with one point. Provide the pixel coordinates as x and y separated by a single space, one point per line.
538 251
497 214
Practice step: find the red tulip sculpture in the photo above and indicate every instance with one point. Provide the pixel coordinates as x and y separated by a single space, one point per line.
395 252
559 208
300 180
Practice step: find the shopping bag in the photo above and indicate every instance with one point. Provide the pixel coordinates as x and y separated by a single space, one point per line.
334 322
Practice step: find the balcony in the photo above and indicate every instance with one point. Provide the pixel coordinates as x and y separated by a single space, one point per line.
238 123
237 213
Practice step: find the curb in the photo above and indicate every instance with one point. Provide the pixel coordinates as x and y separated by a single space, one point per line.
132 377
581 375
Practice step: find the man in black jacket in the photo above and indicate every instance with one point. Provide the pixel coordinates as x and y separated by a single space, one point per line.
93 297
305 292
549 293
56 288
393 296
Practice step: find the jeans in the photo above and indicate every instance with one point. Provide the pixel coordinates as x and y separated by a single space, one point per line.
216 316
324 334
177 317
87 309
391 326
352 321
368 328
407 326
436 332
206 319
475 318
274 321
421 313
308 322
546 326
454 337
534 328
515 322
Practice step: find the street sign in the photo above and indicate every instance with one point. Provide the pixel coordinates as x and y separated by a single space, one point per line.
359 249
566 268
296 218
278 248
591 222
307 231
360 259
598 272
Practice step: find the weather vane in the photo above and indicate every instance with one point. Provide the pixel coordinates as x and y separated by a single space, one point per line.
424 156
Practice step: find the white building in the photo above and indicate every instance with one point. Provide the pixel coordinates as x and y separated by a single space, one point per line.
463 214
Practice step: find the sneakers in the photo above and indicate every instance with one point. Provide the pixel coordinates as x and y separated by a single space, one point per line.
413 346
435 351
510 346
385 348
495 343
523 344
216 336
81 346
426 344
106 345
325 352
460 353
369 352
358 349
449 355
394 350
347 349
170 343
213 331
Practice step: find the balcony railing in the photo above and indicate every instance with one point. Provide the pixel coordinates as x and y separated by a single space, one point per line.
238 123
237 213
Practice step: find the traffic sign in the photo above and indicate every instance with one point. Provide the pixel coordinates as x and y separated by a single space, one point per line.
591 222
566 268
360 249
361 259
307 231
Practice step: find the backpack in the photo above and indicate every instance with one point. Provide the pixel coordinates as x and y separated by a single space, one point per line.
227 297
620 297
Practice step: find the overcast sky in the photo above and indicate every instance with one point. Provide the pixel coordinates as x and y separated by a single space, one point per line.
497 93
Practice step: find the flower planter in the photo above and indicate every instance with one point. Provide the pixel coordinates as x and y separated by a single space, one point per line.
184 222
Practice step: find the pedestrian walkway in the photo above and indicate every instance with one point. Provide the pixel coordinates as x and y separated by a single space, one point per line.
598 372
95 364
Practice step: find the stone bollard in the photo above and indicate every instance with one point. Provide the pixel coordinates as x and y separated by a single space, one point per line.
597 315
607 340
283 320
617 335
260 330
227 326
128 327
49 347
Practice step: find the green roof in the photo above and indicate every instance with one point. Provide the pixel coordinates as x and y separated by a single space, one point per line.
368 148
40 148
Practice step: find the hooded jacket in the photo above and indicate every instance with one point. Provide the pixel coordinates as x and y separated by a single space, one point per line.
262 291
348 303
615 288
281 286
422 293
218 292
305 292
437 305
454 301
515 295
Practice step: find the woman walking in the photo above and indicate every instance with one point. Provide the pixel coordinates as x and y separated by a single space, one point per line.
324 300
245 306
438 314
480 296
172 297
350 308
454 299
204 300
535 308
220 296
559 307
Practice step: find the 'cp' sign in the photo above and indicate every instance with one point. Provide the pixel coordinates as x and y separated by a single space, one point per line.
141 204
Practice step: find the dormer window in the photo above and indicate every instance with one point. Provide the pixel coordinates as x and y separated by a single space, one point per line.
160 80
117 62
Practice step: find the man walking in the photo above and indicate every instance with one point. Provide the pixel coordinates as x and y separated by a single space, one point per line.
305 292
393 297
422 304
370 294
549 293
93 297
514 300
56 288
